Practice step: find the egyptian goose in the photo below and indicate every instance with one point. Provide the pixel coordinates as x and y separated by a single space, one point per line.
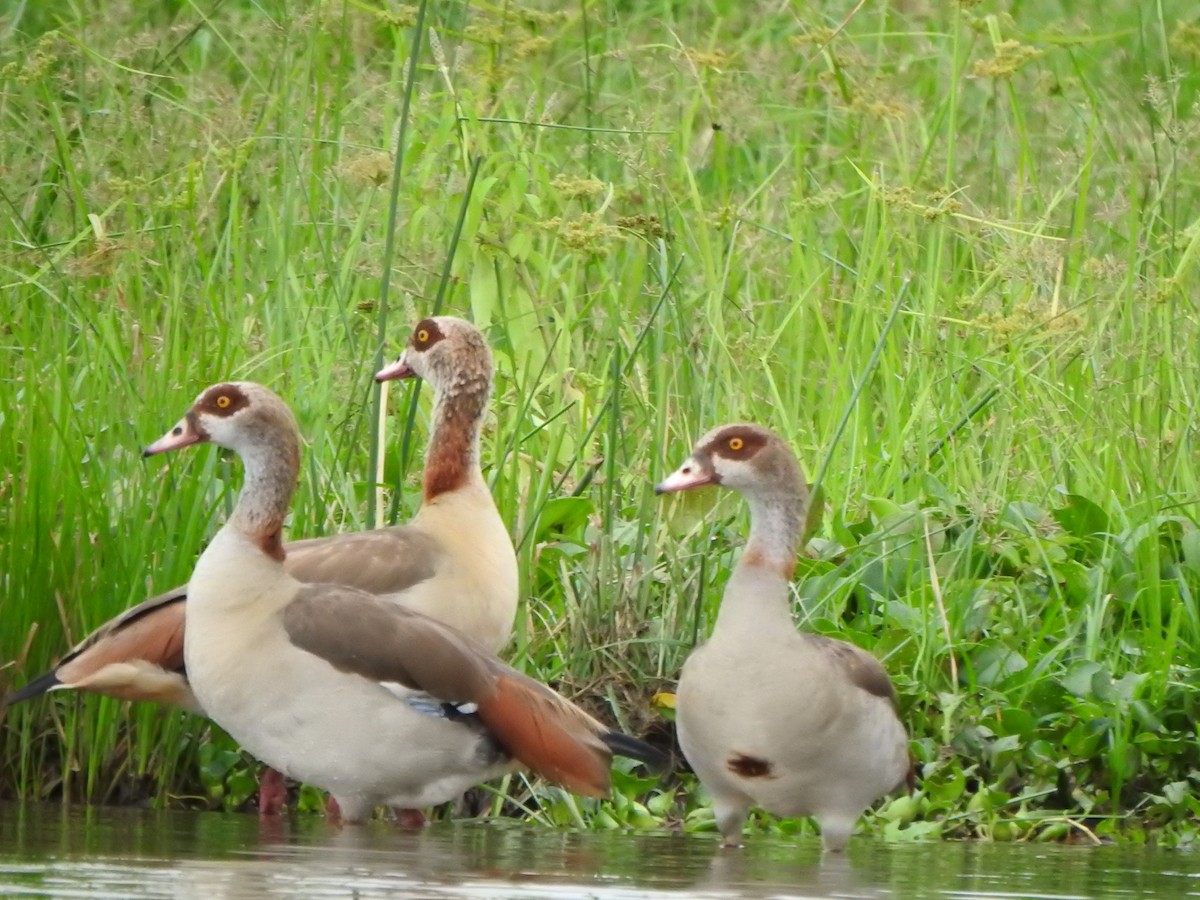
337 687
455 561
797 724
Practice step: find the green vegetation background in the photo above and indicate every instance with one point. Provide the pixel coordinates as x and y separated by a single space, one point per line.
947 249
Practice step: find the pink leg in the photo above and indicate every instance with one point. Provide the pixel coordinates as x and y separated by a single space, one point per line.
333 812
272 793
411 818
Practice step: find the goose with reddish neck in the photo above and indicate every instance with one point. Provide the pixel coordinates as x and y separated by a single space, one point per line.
455 560
798 724
340 688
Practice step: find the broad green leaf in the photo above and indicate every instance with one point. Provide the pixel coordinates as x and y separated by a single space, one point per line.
1081 517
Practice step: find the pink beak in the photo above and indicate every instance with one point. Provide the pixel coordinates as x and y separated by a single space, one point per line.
399 369
182 435
690 475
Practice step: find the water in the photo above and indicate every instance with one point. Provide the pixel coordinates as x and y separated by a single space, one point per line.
111 853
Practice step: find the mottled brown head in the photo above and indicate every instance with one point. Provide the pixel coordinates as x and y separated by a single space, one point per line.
450 353
746 458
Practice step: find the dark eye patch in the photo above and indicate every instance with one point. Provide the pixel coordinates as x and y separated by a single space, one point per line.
222 400
426 334
737 442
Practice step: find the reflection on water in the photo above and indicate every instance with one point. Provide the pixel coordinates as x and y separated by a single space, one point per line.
45 851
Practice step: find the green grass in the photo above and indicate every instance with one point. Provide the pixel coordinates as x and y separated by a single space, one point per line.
958 273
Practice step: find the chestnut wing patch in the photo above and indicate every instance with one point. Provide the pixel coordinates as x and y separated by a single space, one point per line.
152 630
361 634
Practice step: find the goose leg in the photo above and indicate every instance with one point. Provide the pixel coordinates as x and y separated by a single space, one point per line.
272 793
836 828
411 818
333 810
731 814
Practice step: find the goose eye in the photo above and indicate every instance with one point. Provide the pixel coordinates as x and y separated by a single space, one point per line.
422 336
736 443
223 401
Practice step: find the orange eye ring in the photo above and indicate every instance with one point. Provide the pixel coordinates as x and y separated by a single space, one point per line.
422 336
223 401
736 443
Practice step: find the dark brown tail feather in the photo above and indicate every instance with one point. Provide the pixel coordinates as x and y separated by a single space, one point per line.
622 744
547 734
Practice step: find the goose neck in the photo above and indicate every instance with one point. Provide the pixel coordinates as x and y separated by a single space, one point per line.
453 455
776 525
757 598
271 468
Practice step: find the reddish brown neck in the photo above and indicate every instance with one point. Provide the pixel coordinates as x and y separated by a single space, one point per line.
453 454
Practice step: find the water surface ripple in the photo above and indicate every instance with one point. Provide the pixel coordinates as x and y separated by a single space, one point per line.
123 853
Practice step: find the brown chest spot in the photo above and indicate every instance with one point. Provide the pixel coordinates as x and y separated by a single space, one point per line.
271 543
749 766
755 557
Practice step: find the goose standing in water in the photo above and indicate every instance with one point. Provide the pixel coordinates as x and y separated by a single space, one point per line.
374 702
455 560
798 724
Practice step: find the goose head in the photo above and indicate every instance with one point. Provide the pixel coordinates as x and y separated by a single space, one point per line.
238 415
446 351
749 459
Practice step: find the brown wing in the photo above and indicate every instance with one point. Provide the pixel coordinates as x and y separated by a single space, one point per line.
383 561
146 639
138 655
863 669
361 634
